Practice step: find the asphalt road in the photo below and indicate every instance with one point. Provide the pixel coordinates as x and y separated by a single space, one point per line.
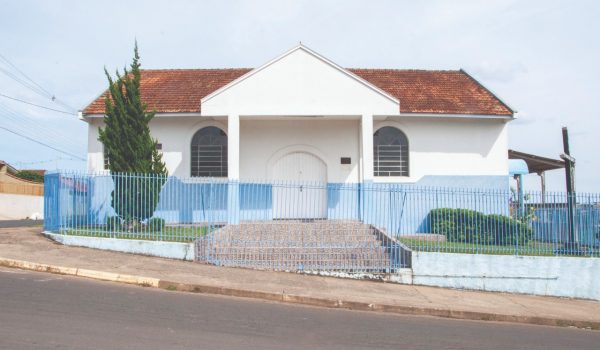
20 223
46 311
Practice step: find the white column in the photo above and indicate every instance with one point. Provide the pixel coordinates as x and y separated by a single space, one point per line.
233 147
367 196
367 147
233 169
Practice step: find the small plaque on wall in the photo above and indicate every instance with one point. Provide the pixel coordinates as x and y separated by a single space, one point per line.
345 160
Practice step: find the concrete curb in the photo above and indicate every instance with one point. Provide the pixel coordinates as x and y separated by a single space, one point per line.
72 271
298 299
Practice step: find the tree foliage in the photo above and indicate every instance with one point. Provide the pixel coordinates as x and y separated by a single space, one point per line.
135 163
30 175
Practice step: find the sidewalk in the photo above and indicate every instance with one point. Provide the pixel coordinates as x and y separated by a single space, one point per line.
27 244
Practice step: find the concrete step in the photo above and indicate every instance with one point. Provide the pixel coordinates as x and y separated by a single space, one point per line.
332 245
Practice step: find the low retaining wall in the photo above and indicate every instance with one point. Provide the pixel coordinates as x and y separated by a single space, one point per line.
552 276
21 206
171 250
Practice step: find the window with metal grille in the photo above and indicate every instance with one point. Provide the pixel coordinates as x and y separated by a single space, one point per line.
106 159
209 153
390 152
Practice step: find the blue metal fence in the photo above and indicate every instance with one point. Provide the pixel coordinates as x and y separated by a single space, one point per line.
359 227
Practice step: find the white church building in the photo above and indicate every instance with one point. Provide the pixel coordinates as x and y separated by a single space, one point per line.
301 118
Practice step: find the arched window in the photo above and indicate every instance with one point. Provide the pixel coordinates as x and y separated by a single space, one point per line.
209 153
390 152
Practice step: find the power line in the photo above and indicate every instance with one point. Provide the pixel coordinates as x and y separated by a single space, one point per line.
31 84
41 143
33 128
25 83
36 105
23 74
40 135
44 161
27 165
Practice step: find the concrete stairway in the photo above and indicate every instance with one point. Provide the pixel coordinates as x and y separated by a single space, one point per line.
320 245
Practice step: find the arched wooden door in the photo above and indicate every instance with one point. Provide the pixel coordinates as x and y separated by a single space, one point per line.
299 187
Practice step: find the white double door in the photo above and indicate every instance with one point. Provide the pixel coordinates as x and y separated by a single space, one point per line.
299 187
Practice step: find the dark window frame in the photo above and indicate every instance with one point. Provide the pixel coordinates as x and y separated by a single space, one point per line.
105 158
208 153
390 153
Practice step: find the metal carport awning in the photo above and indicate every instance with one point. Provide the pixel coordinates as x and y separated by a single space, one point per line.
538 165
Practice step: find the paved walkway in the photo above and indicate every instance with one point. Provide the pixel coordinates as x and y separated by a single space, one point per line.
29 245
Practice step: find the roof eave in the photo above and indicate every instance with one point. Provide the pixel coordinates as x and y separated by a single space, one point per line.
513 111
508 117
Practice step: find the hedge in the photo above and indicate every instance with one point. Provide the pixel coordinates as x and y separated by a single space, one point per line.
156 224
470 226
30 175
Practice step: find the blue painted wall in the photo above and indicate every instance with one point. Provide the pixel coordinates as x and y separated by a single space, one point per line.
399 208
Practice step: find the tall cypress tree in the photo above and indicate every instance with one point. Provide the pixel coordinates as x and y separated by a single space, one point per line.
136 165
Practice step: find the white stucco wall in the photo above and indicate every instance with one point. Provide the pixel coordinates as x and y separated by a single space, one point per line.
18 206
553 276
450 146
300 83
174 133
263 142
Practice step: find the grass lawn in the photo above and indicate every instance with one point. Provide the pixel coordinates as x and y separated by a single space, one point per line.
534 248
170 234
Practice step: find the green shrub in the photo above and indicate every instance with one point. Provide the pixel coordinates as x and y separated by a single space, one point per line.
470 226
156 224
113 223
30 175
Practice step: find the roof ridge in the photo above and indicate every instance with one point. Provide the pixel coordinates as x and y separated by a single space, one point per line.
353 68
190 69
409 70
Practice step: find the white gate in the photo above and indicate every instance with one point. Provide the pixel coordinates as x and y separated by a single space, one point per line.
299 187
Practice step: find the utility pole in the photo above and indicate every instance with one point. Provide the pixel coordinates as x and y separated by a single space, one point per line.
571 196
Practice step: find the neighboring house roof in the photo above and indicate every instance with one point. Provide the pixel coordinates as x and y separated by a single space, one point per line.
419 91
535 163
5 167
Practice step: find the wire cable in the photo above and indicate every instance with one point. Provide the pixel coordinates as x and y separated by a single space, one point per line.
31 84
32 128
41 143
22 164
25 75
36 105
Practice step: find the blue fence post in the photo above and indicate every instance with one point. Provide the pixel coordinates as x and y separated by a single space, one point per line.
391 217
233 202
51 202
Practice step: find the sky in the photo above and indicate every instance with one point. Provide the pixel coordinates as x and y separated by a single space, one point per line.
540 57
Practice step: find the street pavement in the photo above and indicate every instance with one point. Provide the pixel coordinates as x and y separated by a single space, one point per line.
27 244
20 223
47 311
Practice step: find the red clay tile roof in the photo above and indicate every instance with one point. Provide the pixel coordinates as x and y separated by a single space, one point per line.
446 92
419 91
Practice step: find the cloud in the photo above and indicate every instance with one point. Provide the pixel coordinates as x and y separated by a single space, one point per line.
538 56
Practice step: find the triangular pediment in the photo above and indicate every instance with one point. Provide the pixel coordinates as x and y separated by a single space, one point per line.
299 82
